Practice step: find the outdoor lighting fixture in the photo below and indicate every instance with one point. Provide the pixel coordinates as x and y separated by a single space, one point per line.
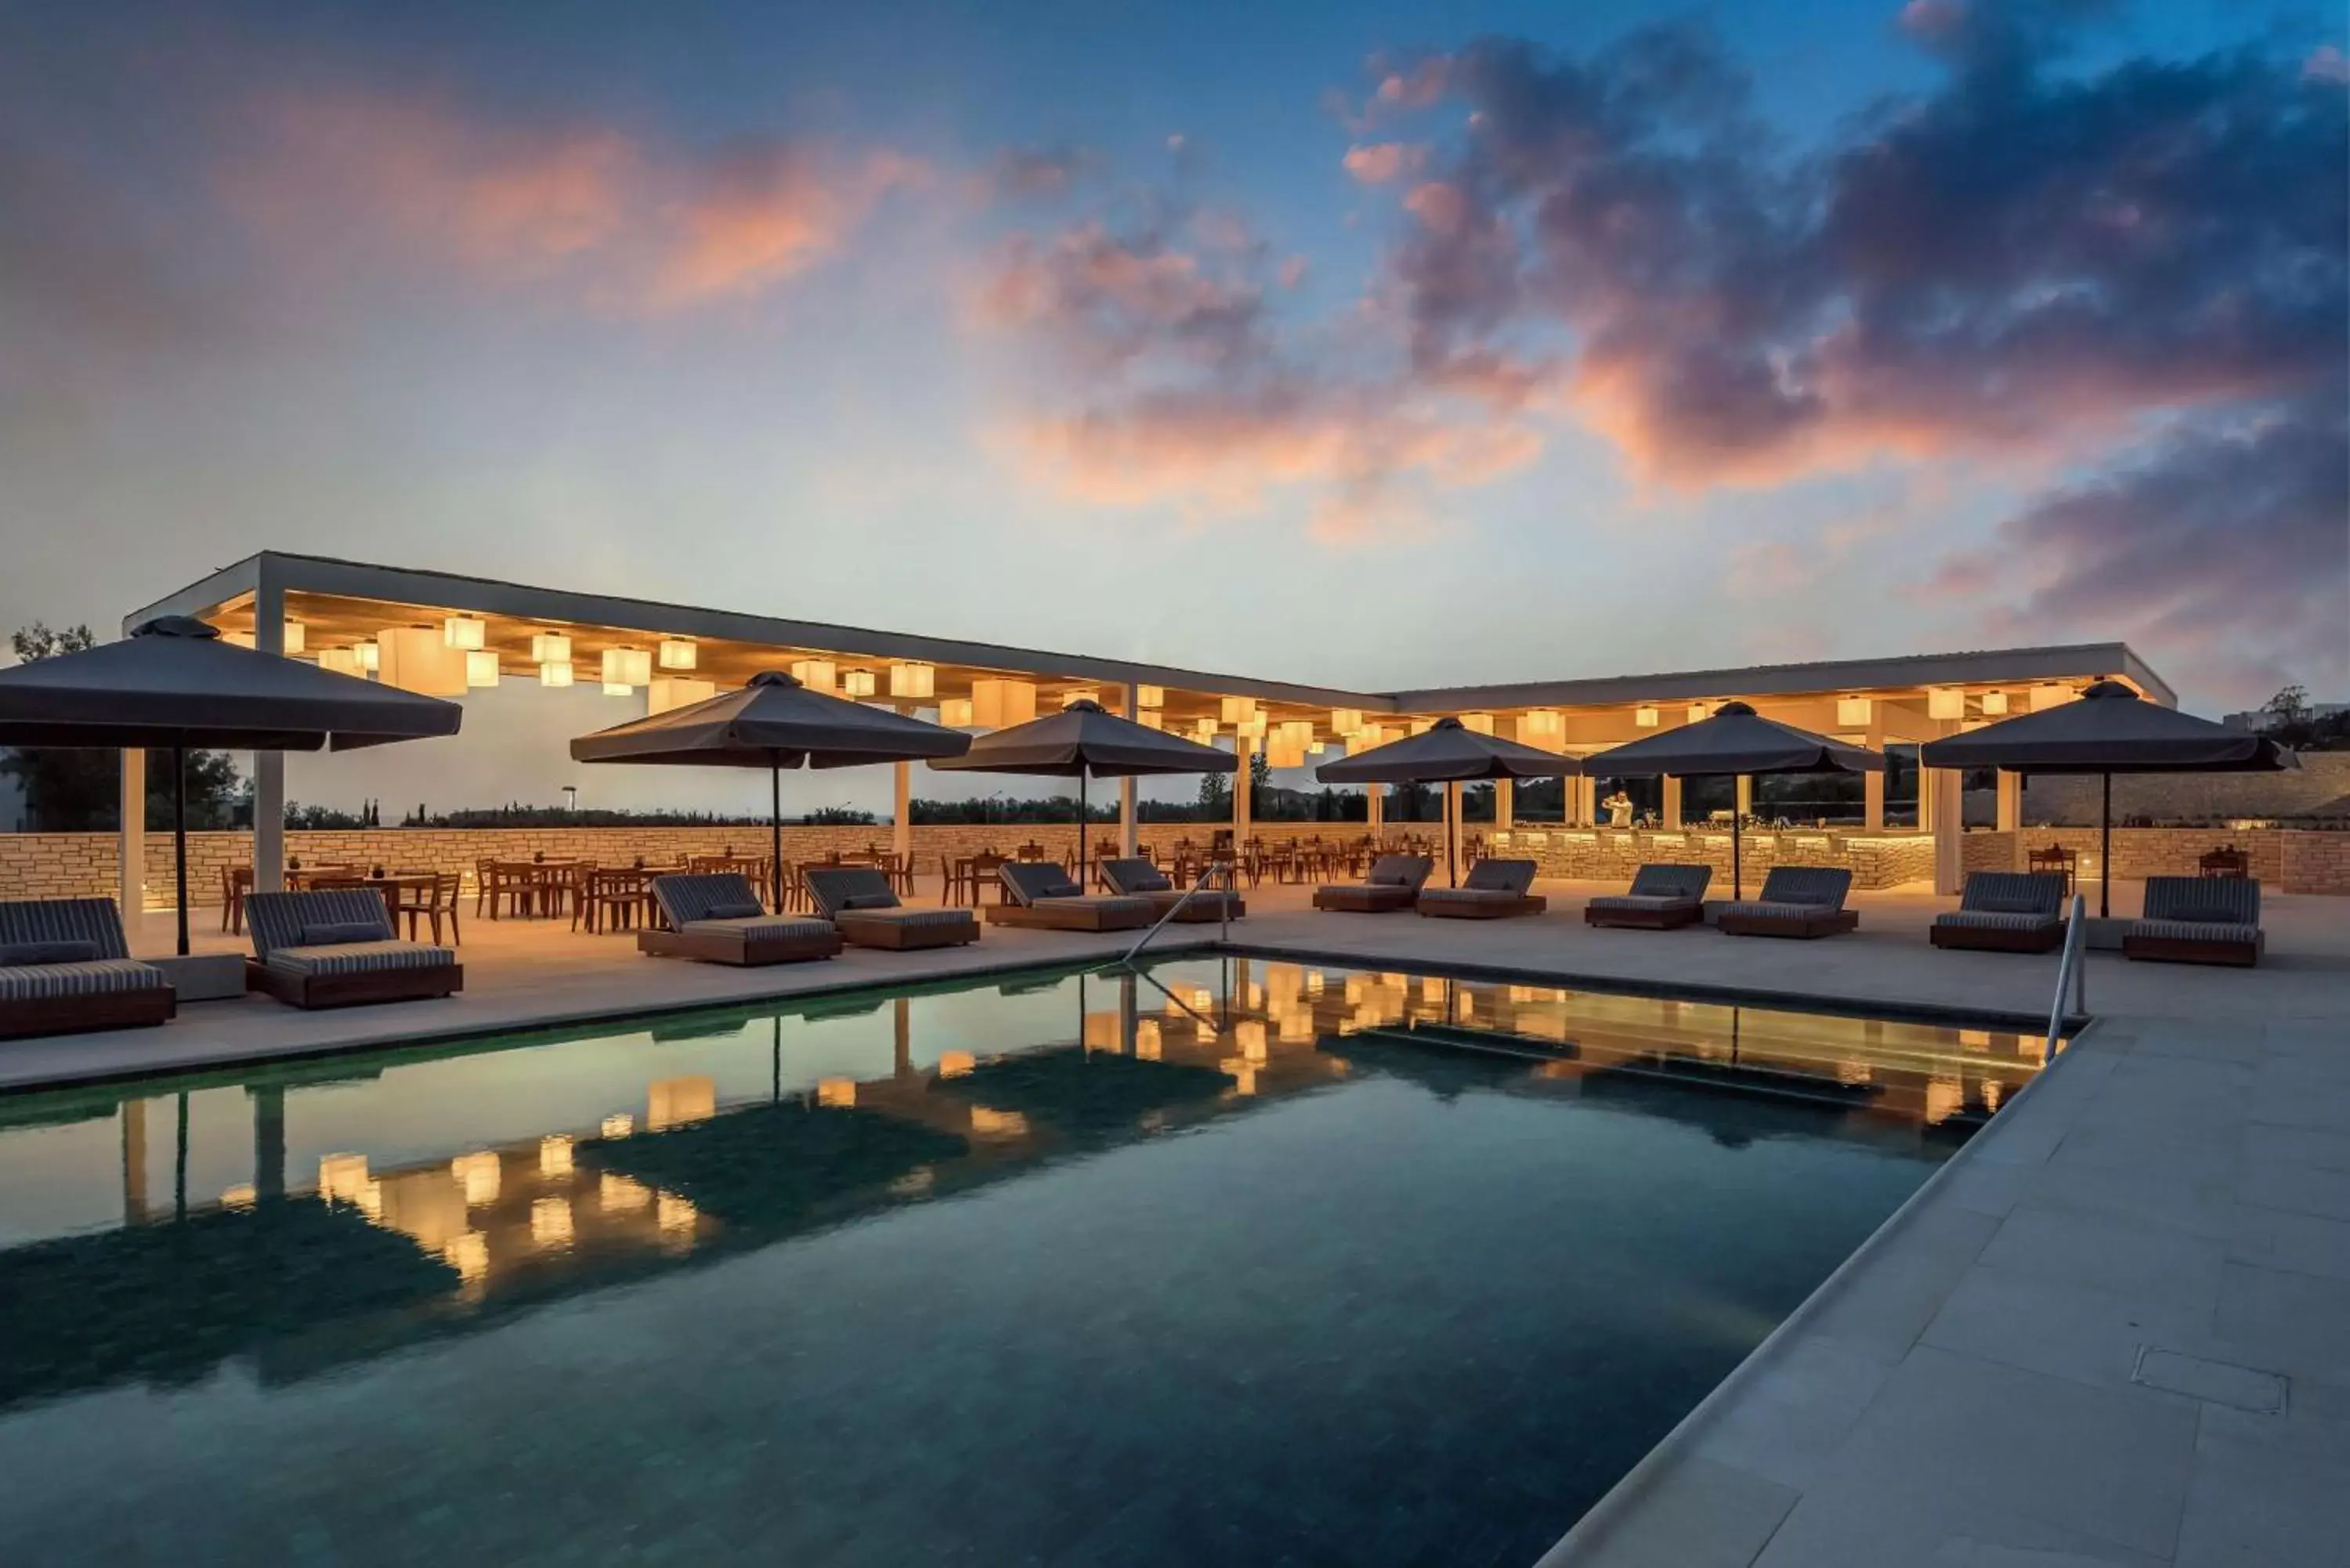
419 659
480 668
296 638
1422 726
677 653
1234 710
555 672
1645 716
465 632
1345 721
856 683
1481 723
914 680
999 703
1544 727
341 661
676 692
955 713
627 666
550 647
816 674
1082 694
1252 727
2049 694
1697 713
241 639
1853 711
1150 696
1315 748
1946 702
1994 702
370 656
1205 730
1151 719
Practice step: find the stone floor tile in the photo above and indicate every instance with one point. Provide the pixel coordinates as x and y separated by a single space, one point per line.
2299 1146
2267 1491
1879 1310
2295 1243
1696 1514
2297 1323
2153 1265
2273 1181
1795 1412
2063 1330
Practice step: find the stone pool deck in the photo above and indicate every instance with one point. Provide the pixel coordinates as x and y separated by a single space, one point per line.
2114 1330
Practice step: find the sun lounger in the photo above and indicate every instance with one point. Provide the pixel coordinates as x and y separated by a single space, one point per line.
1495 889
337 948
1138 879
2199 920
65 968
2005 912
1394 884
1796 901
858 902
1662 898
1039 895
716 917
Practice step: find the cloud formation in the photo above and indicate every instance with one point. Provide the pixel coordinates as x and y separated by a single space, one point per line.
626 223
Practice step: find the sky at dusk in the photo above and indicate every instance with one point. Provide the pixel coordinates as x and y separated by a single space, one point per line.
1364 344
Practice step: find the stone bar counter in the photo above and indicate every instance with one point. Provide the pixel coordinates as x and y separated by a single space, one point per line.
1876 860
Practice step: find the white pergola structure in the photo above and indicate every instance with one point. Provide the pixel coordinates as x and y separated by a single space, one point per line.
446 634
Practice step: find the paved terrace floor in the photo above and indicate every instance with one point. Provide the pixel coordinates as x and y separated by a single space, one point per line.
2114 1330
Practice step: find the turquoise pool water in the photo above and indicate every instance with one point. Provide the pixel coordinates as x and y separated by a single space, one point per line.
1236 1262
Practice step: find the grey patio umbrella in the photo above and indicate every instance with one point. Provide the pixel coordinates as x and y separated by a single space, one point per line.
174 683
1448 752
774 722
2111 730
1085 740
1735 739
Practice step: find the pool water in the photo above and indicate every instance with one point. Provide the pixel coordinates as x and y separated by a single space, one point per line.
1233 1261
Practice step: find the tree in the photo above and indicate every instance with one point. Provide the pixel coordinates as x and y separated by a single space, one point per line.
80 790
1215 796
2289 705
1260 776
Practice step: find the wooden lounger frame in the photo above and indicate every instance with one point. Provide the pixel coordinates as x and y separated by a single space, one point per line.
315 991
2043 939
1066 915
1670 918
1365 898
1483 909
742 952
902 936
1825 923
80 1014
2177 949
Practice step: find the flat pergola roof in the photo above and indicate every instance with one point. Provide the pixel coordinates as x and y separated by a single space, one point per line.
344 602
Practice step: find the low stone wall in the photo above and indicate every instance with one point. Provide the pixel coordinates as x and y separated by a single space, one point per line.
2288 860
1613 855
82 865
2322 780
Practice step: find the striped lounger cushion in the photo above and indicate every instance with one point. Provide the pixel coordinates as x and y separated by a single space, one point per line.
764 927
2196 932
1754 909
277 920
690 900
26 921
1995 921
901 916
1809 888
360 958
97 977
2209 902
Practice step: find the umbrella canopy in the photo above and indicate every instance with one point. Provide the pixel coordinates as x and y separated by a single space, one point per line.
174 682
1735 739
1085 740
771 723
2111 730
774 722
1448 752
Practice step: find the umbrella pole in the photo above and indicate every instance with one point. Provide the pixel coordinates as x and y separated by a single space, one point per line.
1081 851
179 835
1737 850
2106 850
775 831
1452 844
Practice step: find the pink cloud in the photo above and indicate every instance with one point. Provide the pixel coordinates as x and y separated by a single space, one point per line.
1376 163
352 177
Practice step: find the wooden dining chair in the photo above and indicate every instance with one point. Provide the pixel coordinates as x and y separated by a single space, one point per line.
236 882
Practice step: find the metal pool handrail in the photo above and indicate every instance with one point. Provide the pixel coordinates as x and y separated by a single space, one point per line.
1224 926
2073 965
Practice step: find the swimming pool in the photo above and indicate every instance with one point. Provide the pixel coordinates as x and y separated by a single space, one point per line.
1233 1260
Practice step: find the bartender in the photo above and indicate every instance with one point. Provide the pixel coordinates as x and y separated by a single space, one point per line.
1618 807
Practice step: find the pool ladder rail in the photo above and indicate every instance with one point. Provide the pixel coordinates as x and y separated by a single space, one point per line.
2072 968
1213 869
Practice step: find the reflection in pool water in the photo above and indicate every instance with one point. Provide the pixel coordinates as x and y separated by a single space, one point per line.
1235 1261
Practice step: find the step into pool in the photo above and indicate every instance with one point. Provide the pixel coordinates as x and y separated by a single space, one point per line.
1227 1261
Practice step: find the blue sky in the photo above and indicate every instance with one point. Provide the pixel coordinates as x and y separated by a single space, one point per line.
1631 338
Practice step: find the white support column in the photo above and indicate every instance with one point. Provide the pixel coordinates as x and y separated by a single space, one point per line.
1453 833
1378 821
1586 802
1872 785
901 811
2010 816
1950 827
1244 749
1744 805
268 767
1505 804
1673 808
1127 818
130 874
